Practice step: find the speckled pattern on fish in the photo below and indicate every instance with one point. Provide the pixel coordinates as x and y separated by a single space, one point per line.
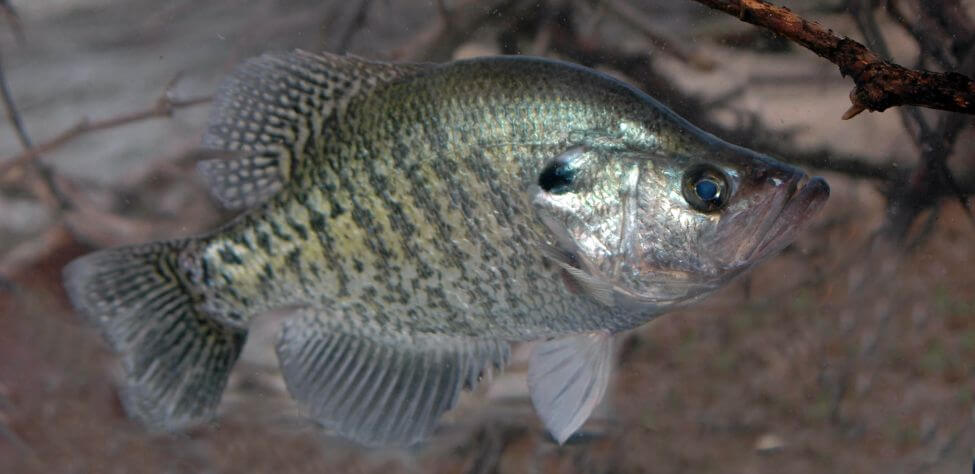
419 217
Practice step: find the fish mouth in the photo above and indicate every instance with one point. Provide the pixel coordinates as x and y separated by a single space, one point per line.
807 197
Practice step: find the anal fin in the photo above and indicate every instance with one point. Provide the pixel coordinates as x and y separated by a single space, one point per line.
379 389
567 377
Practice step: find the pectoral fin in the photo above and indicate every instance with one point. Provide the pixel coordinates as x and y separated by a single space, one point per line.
379 388
567 378
578 273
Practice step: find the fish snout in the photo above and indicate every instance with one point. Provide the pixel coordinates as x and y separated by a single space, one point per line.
780 178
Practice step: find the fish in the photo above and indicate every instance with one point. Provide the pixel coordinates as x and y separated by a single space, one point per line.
415 220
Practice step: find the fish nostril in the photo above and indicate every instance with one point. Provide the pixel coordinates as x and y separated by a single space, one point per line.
774 177
788 178
793 186
802 181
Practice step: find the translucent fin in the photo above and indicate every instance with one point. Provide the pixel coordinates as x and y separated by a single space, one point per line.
597 288
380 389
567 378
272 107
176 360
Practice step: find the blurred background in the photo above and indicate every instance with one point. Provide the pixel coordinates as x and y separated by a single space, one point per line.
852 351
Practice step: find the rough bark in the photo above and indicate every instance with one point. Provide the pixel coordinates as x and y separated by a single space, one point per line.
880 84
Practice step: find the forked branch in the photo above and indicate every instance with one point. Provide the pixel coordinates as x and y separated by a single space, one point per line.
164 107
880 84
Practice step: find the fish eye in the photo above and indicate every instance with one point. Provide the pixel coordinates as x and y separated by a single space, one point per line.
705 188
557 176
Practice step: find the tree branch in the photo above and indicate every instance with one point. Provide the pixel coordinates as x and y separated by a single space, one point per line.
45 172
8 12
163 108
450 28
880 84
632 16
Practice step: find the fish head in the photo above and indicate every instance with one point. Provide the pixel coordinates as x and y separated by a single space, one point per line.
645 230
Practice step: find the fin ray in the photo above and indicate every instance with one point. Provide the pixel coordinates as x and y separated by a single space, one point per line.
379 388
272 108
176 359
567 378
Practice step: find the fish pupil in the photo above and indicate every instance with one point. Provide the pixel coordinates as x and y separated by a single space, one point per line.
557 177
706 189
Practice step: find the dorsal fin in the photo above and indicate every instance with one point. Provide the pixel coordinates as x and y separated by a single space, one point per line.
271 106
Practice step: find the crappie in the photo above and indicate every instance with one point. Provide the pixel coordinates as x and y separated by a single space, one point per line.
419 217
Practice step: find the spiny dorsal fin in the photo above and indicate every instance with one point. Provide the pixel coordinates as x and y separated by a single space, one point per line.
271 106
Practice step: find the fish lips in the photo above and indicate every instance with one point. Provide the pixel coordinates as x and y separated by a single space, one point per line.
807 198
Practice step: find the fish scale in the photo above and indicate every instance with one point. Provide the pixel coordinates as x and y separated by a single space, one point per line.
415 219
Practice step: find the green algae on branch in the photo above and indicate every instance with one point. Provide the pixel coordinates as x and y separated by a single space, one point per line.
880 84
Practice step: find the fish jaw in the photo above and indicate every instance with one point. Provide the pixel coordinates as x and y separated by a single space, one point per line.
806 202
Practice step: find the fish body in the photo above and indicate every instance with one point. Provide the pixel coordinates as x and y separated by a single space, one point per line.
417 218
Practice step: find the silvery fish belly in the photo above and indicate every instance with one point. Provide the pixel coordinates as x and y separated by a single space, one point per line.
418 218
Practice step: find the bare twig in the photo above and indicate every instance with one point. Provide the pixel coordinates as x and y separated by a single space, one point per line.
353 26
453 26
827 160
932 178
11 109
933 44
86 215
914 122
162 108
633 17
956 23
46 173
639 67
879 84
907 202
443 11
7 10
